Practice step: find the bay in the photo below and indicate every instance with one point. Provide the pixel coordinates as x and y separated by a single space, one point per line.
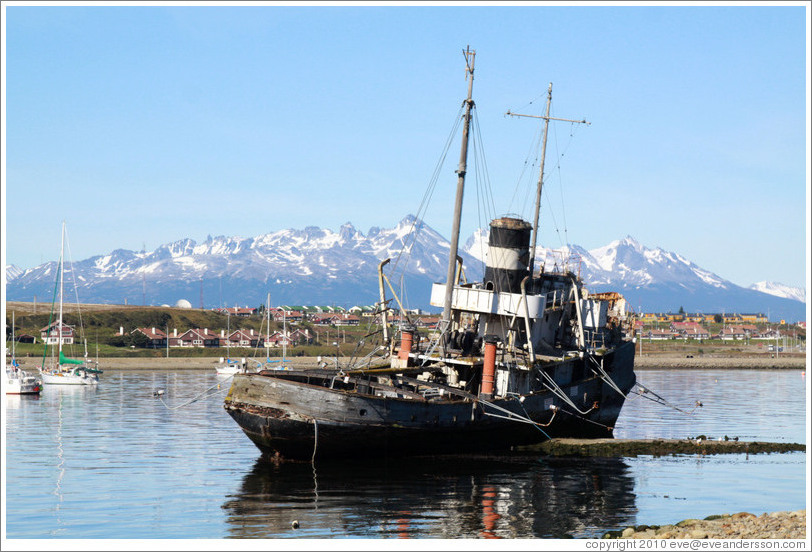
117 462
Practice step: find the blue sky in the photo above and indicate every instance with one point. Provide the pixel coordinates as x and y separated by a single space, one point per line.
144 125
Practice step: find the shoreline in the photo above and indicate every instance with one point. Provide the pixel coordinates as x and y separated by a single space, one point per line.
743 525
645 362
720 362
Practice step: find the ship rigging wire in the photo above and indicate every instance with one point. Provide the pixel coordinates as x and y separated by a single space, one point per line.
484 193
427 195
203 395
661 401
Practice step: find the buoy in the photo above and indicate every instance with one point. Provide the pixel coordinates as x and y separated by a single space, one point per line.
294 524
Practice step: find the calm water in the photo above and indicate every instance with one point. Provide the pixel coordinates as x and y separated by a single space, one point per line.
116 462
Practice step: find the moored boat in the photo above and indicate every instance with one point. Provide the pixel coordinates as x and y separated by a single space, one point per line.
517 358
18 381
63 370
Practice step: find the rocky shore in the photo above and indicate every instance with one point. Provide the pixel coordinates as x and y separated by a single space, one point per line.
775 525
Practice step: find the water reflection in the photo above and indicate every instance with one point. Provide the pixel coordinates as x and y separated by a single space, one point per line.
114 461
469 497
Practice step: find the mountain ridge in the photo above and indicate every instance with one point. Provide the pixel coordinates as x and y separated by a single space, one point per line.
320 266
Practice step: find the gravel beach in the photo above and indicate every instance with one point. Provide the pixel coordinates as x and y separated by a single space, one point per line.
764 362
775 525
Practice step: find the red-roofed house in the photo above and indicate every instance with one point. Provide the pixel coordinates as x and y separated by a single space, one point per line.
732 333
659 334
195 338
300 336
324 319
348 320
290 316
51 334
237 311
156 337
238 338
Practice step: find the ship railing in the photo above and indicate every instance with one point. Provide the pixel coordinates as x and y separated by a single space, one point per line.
594 338
554 299
562 262
367 359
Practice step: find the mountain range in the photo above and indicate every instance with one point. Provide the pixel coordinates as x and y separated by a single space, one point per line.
319 266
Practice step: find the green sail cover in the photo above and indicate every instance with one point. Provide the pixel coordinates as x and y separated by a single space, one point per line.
63 360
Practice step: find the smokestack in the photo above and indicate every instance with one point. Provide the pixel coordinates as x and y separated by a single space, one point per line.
508 254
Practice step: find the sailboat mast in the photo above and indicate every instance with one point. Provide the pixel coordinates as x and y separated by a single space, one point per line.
455 229
268 327
61 288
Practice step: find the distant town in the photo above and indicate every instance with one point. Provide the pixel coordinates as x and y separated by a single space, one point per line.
299 325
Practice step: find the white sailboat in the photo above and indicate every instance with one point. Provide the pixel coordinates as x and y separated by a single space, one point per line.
267 364
229 366
19 382
66 371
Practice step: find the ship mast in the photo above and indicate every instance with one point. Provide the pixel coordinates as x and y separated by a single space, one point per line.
455 229
547 120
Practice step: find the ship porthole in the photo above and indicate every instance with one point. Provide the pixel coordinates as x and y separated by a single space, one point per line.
363 412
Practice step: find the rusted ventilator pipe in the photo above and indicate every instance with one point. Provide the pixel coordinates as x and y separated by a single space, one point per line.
488 368
406 340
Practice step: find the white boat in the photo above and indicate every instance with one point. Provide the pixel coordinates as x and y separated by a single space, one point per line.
19 382
67 371
268 364
229 366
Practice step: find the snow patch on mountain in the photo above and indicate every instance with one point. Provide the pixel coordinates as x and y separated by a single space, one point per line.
13 272
780 290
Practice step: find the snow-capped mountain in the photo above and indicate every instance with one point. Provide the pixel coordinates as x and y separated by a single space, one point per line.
780 290
655 279
12 272
308 266
320 266
621 263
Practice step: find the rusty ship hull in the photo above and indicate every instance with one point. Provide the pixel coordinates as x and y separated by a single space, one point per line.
314 414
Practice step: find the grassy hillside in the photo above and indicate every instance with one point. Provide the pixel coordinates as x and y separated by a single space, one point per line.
101 325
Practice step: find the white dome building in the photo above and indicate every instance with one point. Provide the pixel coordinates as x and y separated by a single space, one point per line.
183 304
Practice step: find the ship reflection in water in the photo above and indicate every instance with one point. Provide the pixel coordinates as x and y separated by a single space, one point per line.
449 497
